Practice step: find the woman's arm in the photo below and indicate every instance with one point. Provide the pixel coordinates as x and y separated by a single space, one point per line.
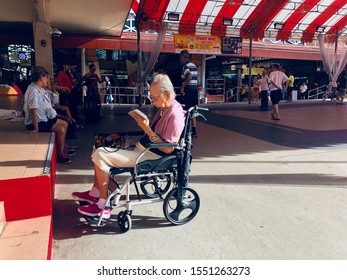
33 112
153 137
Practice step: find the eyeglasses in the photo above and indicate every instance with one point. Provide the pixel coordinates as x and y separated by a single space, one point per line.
155 98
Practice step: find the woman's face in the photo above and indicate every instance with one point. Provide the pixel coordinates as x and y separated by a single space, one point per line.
160 99
44 80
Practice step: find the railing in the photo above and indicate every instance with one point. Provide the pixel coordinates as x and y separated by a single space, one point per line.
130 96
232 94
316 92
121 95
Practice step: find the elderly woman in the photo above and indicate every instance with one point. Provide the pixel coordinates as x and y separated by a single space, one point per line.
167 126
37 116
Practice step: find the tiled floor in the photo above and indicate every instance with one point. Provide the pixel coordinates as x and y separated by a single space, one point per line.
268 189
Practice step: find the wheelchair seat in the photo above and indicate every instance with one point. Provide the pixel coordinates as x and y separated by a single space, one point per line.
163 164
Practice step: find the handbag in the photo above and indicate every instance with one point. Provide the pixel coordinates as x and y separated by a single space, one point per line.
119 140
109 140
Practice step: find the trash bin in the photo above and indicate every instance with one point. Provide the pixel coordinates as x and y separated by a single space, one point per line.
294 95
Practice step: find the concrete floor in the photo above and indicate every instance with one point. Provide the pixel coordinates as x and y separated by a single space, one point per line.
268 189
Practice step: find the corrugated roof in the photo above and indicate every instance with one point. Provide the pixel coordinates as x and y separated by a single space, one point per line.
300 19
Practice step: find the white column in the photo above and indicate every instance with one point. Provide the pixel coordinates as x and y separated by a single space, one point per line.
42 36
203 74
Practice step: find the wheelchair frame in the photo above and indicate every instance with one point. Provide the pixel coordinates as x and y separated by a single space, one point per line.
172 169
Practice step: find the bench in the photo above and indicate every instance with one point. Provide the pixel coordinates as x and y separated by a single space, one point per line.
27 181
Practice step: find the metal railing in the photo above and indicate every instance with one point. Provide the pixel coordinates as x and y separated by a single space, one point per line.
120 95
316 92
232 94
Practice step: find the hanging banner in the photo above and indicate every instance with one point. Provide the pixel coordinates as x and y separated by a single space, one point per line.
203 44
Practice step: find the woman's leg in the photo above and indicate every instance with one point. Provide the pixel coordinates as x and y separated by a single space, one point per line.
101 181
60 128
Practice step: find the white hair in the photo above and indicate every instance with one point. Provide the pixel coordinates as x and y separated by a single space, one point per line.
164 84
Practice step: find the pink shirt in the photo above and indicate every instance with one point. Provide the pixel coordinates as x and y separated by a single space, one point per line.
278 78
170 125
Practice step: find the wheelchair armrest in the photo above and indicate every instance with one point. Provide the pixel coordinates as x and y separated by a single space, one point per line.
150 146
161 145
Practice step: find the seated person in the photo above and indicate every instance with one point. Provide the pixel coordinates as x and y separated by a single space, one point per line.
63 112
167 126
35 108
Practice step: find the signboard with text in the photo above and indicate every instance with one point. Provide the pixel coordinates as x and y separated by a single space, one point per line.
204 44
254 71
231 45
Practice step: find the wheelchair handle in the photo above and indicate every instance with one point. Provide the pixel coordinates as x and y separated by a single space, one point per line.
202 108
194 111
197 108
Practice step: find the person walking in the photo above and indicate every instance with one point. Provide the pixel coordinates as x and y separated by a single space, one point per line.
189 87
264 87
256 88
341 88
277 78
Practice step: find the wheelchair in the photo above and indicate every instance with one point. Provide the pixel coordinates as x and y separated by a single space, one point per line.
155 178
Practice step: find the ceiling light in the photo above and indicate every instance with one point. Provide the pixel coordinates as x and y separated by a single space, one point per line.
303 9
227 21
279 25
173 16
320 29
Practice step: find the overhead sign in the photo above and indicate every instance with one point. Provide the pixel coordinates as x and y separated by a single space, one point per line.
231 45
254 71
205 44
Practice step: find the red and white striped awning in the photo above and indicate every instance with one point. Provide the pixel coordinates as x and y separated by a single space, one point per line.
301 19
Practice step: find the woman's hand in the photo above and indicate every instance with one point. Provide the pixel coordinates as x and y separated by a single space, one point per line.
141 122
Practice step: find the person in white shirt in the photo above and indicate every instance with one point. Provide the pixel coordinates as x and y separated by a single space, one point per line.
264 88
277 79
39 114
303 89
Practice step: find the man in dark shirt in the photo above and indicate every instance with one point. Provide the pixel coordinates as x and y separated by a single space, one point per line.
341 88
189 87
91 80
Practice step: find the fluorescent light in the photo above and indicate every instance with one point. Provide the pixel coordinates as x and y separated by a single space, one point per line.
227 21
279 25
320 29
173 16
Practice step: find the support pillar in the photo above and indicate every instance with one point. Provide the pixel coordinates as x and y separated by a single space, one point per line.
42 36
203 75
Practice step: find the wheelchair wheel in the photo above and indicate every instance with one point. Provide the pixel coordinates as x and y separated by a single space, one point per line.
156 186
179 211
124 221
